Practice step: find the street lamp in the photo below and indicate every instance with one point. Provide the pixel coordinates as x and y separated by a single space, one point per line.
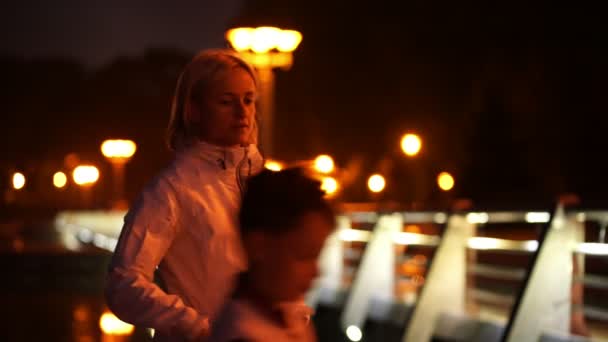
118 153
113 328
376 183
265 48
85 176
330 186
273 165
411 144
18 180
445 181
60 180
324 164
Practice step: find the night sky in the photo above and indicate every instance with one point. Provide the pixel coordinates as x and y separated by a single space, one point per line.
98 31
509 97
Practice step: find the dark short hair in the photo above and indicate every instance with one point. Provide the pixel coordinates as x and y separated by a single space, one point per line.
275 201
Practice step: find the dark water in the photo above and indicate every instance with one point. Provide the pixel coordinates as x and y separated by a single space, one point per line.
49 292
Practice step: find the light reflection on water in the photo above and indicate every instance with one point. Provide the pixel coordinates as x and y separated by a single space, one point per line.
50 291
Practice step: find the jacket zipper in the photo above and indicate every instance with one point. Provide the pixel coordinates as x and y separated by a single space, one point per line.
239 179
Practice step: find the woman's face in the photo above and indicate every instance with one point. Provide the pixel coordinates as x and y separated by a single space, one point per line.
226 116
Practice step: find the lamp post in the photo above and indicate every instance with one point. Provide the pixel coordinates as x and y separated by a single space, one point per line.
411 144
445 181
330 185
118 153
376 183
266 48
324 164
85 176
18 181
60 180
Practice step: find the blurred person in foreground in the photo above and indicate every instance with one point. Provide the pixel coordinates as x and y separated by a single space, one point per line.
284 222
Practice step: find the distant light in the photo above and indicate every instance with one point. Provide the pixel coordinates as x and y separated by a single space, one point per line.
411 144
240 38
60 179
118 148
483 243
354 333
593 248
329 185
407 238
111 325
324 164
273 165
264 39
478 218
412 228
354 235
376 183
85 235
540 217
288 40
440 218
18 180
445 181
81 313
502 244
85 175
531 245
71 160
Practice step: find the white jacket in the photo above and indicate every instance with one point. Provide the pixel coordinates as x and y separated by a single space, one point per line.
184 223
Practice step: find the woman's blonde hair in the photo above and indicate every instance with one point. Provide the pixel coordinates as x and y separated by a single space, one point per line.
194 79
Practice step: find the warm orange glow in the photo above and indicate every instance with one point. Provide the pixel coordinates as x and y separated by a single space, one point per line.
240 38
263 39
60 179
412 228
18 181
111 325
273 165
85 175
376 183
445 181
121 149
324 164
330 186
71 160
411 144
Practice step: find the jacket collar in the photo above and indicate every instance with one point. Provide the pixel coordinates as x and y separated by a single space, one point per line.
223 157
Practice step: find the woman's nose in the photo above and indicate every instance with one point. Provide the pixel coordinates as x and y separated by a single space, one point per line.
241 109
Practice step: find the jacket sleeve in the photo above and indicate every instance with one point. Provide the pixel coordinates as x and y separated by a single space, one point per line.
148 232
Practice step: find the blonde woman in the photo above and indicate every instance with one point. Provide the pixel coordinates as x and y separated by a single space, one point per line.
183 226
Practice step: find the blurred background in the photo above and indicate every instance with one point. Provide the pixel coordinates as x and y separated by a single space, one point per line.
411 105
